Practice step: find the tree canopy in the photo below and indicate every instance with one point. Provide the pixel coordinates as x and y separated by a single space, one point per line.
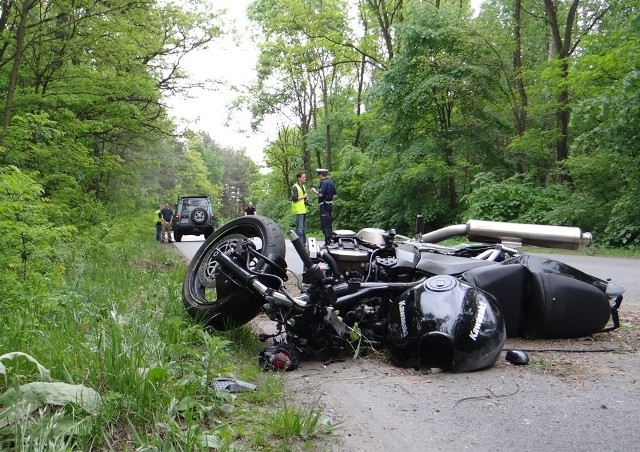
529 96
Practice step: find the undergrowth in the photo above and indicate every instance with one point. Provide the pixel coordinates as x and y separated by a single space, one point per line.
107 359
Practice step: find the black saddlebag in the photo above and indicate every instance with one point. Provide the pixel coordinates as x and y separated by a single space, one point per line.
563 307
543 304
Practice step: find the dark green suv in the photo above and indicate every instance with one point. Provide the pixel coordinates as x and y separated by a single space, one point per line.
193 216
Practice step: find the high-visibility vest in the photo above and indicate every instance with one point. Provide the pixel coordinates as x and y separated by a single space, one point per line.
298 207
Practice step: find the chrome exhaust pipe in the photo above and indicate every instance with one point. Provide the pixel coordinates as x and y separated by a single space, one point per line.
514 234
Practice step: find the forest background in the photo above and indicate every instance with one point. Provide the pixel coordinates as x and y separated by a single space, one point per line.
528 111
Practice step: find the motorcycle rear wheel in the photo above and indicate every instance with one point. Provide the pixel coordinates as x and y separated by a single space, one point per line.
218 301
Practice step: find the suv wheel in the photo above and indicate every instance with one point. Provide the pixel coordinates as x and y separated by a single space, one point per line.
199 215
177 236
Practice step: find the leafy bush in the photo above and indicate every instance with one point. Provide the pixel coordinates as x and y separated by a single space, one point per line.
29 238
516 199
623 228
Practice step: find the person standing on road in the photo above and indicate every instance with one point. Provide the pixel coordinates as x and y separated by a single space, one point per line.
299 199
326 194
250 209
166 217
158 224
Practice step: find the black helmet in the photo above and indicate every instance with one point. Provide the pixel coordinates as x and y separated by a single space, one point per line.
447 324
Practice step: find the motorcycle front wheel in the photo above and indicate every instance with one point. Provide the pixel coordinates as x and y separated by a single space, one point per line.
215 299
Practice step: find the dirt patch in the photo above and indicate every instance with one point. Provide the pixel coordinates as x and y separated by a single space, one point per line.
598 355
153 266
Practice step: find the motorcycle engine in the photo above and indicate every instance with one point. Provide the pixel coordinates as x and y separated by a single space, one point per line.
349 252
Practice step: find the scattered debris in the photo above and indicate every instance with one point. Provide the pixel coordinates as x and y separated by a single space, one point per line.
232 385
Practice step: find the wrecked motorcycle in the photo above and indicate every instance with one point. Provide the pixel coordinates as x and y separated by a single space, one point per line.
429 305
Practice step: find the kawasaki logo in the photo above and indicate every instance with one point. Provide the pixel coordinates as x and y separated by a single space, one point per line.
403 319
476 328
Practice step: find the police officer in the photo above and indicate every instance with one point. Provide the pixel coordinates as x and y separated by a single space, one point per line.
299 197
326 195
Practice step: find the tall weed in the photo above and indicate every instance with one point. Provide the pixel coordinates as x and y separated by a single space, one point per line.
114 324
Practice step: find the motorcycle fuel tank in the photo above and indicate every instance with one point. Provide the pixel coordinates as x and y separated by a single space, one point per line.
447 324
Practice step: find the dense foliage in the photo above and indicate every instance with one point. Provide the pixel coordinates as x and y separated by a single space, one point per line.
524 112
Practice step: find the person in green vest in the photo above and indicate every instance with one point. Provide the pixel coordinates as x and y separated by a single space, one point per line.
299 198
158 225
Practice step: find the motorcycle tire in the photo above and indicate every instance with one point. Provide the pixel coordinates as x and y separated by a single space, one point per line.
220 302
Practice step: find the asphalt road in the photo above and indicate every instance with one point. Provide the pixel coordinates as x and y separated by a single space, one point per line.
586 398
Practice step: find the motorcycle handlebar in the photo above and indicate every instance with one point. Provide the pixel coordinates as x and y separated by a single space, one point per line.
302 252
250 280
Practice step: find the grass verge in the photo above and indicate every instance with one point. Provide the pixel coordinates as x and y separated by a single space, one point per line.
109 360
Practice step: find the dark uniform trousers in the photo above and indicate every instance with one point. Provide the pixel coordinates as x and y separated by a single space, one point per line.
326 220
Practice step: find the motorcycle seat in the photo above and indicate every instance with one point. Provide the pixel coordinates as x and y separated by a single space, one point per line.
442 264
507 284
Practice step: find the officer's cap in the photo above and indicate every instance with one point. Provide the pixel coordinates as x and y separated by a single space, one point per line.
322 171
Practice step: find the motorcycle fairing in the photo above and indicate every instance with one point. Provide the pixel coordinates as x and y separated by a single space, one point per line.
445 323
540 264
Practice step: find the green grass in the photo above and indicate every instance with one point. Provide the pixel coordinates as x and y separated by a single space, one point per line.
116 330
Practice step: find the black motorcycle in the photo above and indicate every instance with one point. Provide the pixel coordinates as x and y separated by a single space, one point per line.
431 306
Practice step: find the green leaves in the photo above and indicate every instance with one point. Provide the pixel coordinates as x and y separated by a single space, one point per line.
39 394
18 405
29 239
516 199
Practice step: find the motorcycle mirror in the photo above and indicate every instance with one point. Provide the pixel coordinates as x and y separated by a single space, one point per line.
517 357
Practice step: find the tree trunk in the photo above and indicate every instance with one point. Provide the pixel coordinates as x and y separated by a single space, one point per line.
387 13
13 75
520 114
327 127
520 105
563 114
451 181
5 10
358 134
562 49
